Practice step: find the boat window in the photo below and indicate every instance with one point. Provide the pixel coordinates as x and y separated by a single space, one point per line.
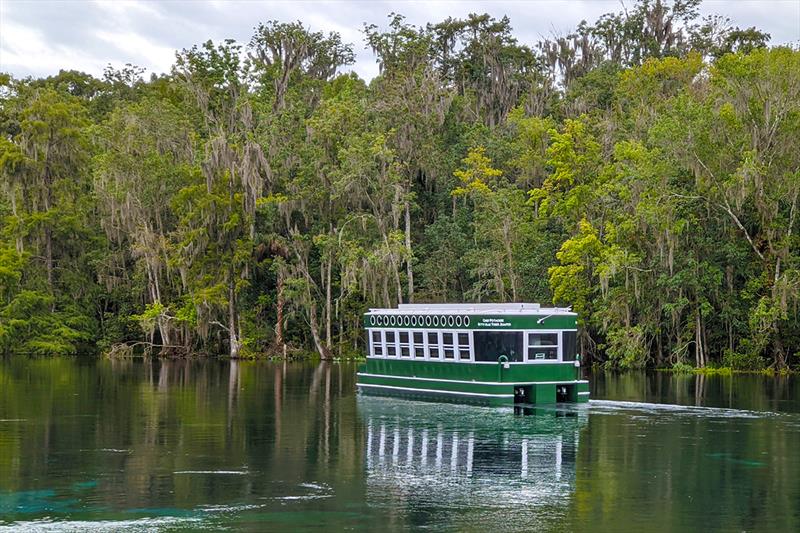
433 344
419 344
405 349
489 345
391 347
570 345
463 347
377 344
447 346
542 346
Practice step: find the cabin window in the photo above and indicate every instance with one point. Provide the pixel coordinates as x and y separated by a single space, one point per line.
433 344
405 348
377 344
542 346
570 345
447 345
463 347
419 344
489 345
391 347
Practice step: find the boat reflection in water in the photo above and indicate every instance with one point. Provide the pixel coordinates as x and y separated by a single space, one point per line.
441 457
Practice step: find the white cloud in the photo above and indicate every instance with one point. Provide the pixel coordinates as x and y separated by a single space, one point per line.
25 50
39 38
140 49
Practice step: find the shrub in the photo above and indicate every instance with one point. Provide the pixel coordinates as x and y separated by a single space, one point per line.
742 361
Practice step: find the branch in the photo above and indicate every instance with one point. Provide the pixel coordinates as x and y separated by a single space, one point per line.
727 208
220 324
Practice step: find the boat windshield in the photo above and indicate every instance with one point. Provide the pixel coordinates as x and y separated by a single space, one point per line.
489 345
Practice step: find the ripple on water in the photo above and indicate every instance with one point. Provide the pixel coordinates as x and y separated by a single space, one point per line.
599 406
140 524
215 472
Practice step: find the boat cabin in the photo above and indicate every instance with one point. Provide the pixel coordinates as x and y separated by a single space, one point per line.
457 334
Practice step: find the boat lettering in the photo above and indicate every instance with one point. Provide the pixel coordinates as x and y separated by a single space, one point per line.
493 323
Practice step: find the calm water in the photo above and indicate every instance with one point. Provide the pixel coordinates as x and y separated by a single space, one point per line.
174 445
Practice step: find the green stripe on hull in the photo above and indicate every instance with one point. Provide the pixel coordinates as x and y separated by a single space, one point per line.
435 395
516 373
487 393
453 387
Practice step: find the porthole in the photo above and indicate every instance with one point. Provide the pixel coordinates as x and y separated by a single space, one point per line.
413 320
450 321
405 320
458 321
435 321
466 321
428 320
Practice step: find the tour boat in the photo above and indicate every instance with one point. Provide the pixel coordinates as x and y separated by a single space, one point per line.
493 354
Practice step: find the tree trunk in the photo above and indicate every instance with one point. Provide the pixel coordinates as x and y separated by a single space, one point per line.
398 283
507 244
699 356
235 343
386 300
312 317
409 267
659 350
17 238
48 246
328 298
280 305
48 232
778 349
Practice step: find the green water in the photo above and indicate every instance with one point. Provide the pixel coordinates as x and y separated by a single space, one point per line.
133 445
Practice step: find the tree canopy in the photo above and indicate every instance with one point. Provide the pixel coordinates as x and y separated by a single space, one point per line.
643 169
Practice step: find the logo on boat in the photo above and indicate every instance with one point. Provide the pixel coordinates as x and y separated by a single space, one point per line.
493 323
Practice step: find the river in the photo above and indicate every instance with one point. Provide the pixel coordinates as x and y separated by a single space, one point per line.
143 445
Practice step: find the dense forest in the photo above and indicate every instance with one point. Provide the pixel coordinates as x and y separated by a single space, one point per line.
643 169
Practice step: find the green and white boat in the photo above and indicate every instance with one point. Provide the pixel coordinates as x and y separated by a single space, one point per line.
491 354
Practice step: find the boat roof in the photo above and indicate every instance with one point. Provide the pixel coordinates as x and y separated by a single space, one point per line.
471 309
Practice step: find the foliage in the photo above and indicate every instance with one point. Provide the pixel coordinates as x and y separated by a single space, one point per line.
642 169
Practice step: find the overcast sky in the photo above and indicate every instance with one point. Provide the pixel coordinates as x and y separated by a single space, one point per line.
41 37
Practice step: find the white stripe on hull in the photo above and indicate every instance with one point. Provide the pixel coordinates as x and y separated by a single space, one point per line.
496 383
437 391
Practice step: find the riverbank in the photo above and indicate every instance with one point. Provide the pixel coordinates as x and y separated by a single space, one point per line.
727 371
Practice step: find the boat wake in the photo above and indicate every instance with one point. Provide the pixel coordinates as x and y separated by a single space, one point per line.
695 410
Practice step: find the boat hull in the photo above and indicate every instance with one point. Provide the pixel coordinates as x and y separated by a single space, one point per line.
475 383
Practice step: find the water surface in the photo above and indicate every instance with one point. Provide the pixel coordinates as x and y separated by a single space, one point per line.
142 445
